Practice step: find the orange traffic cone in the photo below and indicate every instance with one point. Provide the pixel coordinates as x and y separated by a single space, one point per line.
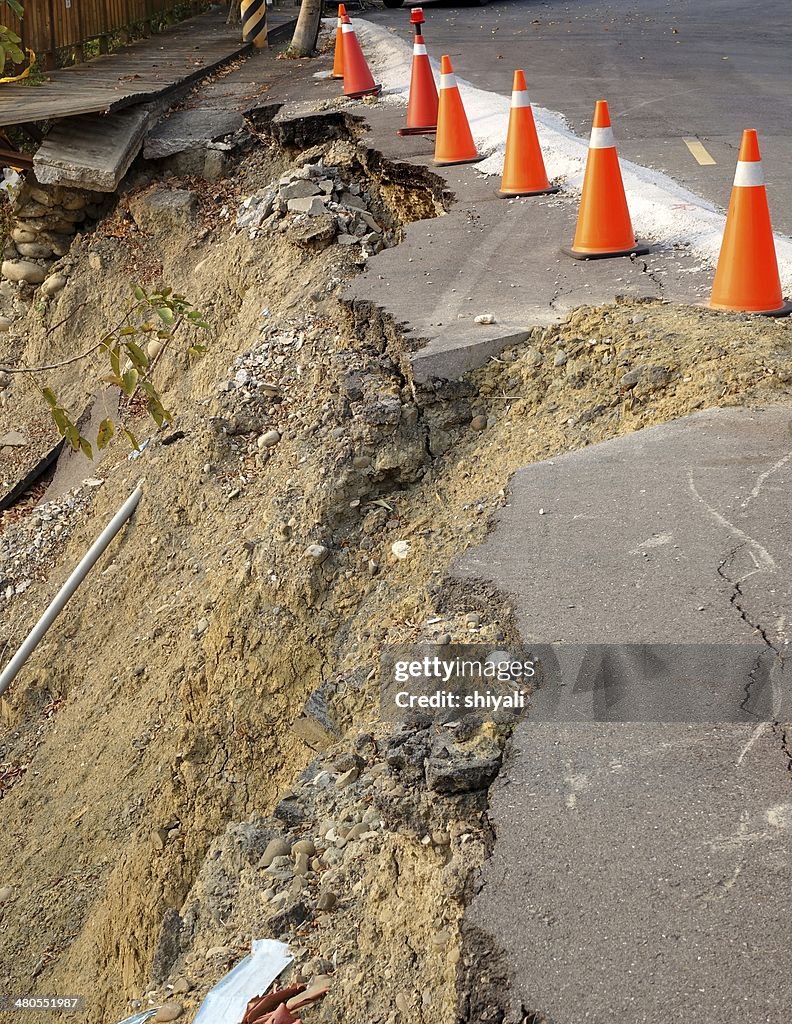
454 143
603 227
358 80
524 171
746 278
422 105
338 56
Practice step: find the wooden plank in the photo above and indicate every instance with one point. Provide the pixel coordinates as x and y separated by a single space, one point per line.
134 74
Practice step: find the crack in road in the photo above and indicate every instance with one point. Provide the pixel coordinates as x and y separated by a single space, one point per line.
737 598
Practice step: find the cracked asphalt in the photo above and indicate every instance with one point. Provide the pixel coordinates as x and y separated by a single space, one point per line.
648 851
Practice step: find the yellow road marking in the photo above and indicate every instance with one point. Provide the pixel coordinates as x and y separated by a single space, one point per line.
700 155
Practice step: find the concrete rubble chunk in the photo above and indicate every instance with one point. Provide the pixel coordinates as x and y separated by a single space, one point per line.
300 189
312 205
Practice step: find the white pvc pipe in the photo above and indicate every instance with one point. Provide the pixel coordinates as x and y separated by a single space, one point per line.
58 603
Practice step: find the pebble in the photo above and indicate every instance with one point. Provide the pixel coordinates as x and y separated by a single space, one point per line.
347 778
442 639
473 619
440 940
269 439
275 848
326 901
5 323
56 283
485 318
478 423
631 378
168 1011
22 271
301 865
560 358
182 986
400 549
305 846
6 893
318 552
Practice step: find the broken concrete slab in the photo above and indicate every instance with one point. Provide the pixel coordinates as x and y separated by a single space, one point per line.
190 129
93 151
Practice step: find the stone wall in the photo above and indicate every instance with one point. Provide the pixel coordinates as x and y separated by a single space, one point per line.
44 221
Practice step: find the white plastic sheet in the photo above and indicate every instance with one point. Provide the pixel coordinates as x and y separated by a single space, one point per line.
227 1001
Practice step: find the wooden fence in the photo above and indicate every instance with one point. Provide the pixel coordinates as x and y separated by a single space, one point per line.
58 30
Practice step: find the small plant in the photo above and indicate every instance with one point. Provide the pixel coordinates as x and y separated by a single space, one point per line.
132 349
10 43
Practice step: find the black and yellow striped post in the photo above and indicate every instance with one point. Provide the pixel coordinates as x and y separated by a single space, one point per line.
254 22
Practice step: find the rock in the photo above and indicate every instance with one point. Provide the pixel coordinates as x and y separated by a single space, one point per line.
631 378
442 639
40 195
317 233
159 837
22 272
485 318
659 375
214 167
316 725
6 323
345 239
54 284
327 900
34 250
347 778
275 848
293 913
269 439
312 205
164 209
300 189
13 439
6 893
23 235
305 846
95 261
317 552
182 986
451 771
200 628
560 358
478 423
72 201
168 1011
473 619
301 864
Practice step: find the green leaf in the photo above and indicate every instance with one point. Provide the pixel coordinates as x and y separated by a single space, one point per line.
15 6
49 397
85 446
73 436
126 332
130 381
104 434
166 314
61 420
139 293
115 360
132 439
137 355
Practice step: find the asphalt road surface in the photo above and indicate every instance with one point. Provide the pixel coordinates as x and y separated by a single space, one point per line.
701 70
649 854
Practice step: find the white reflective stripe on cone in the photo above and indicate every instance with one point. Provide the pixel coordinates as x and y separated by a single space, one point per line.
419 50
602 138
520 98
448 81
749 174
347 28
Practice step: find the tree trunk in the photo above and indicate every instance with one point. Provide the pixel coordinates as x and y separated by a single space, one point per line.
234 12
306 33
